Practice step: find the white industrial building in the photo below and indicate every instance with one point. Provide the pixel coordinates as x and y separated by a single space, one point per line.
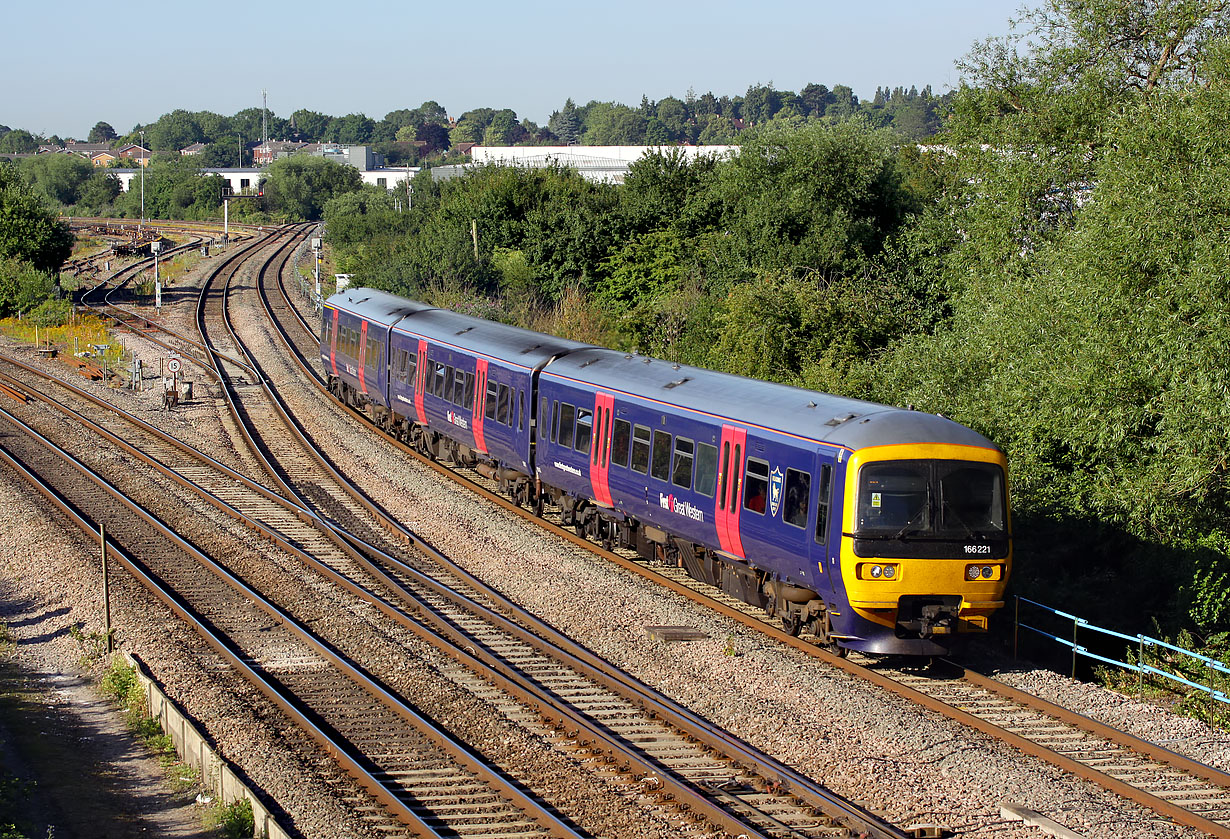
607 164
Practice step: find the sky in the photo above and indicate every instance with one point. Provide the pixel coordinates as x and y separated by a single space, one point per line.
69 64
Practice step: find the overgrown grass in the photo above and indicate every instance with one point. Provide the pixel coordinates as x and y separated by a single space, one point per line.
232 821
80 332
121 683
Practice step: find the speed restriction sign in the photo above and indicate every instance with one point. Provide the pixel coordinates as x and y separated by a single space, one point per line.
173 365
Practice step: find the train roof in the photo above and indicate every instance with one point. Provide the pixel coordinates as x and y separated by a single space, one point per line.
498 340
376 306
840 421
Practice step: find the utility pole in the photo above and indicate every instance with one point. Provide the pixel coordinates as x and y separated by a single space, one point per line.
142 165
264 116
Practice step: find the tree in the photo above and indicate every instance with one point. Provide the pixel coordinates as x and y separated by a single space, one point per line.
566 124
434 135
58 177
299 187
310 125
352 129
19 141
102 132
28 230
99 192
174 131
503 130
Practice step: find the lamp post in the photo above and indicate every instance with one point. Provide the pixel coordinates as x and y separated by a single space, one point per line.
142 165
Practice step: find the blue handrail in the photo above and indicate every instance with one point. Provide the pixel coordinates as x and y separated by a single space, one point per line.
1142 641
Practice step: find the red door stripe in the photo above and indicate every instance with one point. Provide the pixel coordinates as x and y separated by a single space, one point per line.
600 449
333 343
420 382
480 400
730 475
362 356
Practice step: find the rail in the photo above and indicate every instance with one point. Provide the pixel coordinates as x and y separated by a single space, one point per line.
1143 643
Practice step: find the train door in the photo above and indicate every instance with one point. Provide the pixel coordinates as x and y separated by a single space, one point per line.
420 382
333 343
600 451
478 411
827 516
362 357
732 452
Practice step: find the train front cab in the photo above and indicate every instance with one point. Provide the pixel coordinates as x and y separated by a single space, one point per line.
352 351
925 547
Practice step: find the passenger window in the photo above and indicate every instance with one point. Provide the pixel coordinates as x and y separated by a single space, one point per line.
567 420
756 485
622 440
521 410
412 370
555 426
447 396
459 387
706 468
640 449
798 493
661 456
438 385
681 469
585 430
822 503
503 406
490 409
468 389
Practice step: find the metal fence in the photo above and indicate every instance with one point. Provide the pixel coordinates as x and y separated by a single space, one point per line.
1144 644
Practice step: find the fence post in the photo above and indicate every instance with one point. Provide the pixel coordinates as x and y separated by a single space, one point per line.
1140 662
1075 625
1016 627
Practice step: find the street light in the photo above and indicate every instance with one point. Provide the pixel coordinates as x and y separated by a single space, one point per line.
142 224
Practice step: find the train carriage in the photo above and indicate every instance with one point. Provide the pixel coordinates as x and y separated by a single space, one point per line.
744 483
467 384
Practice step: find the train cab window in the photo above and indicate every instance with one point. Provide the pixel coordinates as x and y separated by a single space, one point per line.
555 424
822 503
640 449
503 409
326 329
706 468
468 385
756 485
585 430
567 418
661 468
798 494
621 441
681 468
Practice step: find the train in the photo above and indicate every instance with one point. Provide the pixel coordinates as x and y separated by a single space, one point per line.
871 528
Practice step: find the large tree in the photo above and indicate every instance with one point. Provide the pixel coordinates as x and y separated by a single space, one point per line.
102 132
299 187
28 230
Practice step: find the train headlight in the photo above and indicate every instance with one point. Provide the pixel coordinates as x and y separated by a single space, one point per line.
987 571
876 571
890 571
971 573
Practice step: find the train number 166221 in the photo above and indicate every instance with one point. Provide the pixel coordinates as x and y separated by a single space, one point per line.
977 549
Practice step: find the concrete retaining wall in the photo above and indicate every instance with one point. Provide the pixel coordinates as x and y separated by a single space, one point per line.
216 775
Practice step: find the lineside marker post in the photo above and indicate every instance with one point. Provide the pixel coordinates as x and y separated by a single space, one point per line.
102 538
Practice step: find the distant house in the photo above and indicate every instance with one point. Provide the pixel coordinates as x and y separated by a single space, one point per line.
45 149
104 158
195 148
138 154
87 150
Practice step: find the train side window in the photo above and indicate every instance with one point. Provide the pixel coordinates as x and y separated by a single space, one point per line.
503 406
640 449
521 410
326 328
798 493
412 370
567 418
822 503
490 409
661 455
706 468
459 387
469 391
437 385
585 430
756 485
736 471
449 373
620 443
555 423
681 469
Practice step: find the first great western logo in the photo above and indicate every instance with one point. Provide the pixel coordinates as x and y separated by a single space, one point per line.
680 507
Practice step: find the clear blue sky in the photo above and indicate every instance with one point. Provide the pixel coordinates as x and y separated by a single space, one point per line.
66 65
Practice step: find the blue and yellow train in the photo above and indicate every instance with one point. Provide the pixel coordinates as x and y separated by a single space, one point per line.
873 528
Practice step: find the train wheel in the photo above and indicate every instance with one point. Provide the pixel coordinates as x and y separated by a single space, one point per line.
792 623
538 506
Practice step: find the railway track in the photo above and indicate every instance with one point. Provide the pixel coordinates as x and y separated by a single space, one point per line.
1174 785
